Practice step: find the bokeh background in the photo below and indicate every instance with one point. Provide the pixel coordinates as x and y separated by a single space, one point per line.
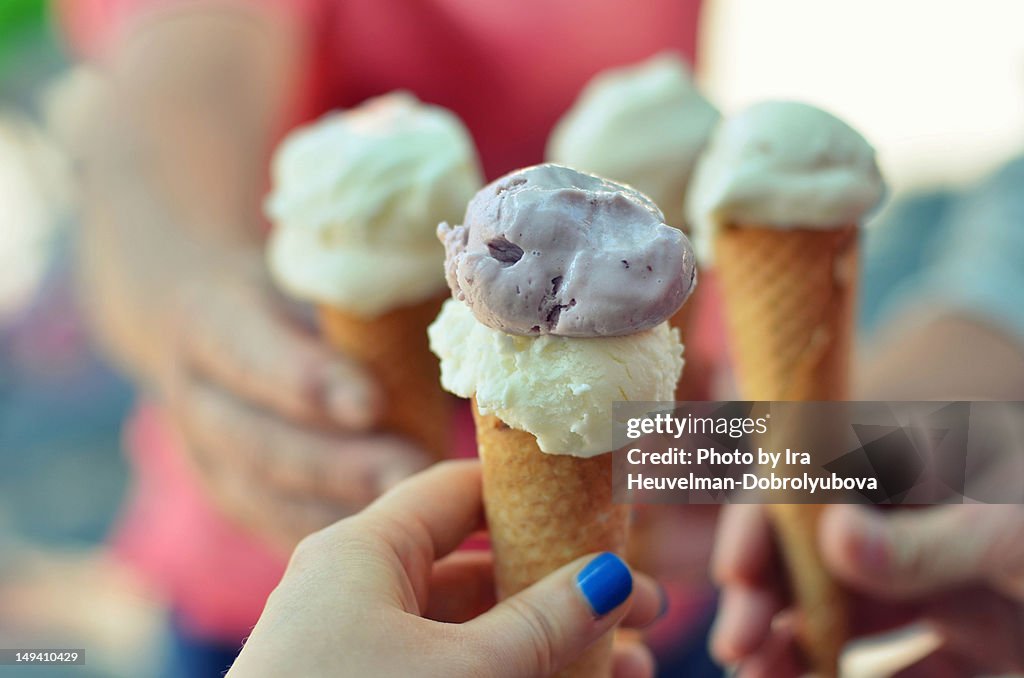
62 475
936 85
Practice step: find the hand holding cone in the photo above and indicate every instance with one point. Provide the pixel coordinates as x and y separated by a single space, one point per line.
394 348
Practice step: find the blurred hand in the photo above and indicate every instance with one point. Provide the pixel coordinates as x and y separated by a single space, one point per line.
172 171
673 543
959 568
382 594
277 424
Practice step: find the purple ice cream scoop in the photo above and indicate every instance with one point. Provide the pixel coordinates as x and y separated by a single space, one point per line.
549 250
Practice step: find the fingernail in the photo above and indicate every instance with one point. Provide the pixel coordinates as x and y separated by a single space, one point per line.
663 604
663 607
605 582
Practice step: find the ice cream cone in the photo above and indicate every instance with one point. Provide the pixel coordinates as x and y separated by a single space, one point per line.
394 348
355 202
789 298
546 510
544 343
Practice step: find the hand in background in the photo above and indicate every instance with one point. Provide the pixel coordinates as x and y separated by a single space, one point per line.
384 593
958 568
276 423
171 155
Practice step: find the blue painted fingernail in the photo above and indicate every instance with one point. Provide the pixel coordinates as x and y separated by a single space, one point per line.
605 582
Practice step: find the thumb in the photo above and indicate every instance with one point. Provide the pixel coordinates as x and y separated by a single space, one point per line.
545 627
907 553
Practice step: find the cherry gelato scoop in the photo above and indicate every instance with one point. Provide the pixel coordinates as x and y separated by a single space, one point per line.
550 250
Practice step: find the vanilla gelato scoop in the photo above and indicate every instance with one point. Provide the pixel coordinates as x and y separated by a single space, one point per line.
550 250
643 125
785 165
357 197
560 389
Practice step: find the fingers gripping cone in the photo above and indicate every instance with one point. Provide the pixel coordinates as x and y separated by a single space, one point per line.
546 510
394 348
789 304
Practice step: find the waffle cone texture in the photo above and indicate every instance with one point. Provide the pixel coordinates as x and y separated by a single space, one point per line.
544 511
394 348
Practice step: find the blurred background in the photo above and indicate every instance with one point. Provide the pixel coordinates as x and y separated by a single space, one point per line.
936 85
61 472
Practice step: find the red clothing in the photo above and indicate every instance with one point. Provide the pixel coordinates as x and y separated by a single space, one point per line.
508 69
215 575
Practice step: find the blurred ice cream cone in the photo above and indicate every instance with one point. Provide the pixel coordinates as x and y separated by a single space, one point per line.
778 202
357 198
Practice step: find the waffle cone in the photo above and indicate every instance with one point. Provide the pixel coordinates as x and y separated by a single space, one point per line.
394 348
544 511
822 601
789 303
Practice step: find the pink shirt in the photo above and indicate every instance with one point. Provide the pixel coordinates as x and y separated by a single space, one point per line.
509 69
